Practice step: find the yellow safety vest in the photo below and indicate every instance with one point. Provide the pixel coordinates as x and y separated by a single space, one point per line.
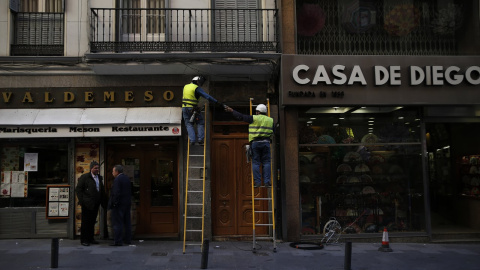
262 127
189 99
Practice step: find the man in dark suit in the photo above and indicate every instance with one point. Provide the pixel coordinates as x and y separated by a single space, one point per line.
91 194
119 203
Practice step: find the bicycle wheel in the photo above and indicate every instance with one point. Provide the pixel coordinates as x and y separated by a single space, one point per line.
331 232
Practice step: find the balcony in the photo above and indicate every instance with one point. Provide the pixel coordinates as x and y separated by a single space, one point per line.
38 34
114 30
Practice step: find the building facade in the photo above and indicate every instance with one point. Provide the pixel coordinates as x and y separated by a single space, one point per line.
103 80
379 107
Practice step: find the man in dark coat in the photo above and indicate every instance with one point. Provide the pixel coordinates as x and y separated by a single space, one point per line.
91 194
119 203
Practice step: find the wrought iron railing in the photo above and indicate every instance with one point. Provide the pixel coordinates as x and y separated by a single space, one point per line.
187 30
377 27
38 34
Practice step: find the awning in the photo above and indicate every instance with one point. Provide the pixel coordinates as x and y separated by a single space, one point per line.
90 122
91 116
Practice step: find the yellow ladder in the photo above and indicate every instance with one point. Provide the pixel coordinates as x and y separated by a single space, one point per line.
270 199
194 216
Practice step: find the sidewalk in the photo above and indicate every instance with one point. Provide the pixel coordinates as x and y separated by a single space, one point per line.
152 254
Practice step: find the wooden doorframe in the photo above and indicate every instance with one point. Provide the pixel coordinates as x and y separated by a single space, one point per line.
236 200
145 151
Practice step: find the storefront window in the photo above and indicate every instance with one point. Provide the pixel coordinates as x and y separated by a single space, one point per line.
362 167
18 159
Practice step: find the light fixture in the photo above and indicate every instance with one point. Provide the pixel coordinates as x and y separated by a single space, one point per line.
335 125
313 118
309 122
400 117
156 144
132 144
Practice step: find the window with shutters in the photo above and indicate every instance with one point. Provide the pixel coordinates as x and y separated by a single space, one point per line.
236 20
39 28
142 20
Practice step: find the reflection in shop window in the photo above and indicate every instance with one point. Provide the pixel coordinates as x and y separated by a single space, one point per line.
361 167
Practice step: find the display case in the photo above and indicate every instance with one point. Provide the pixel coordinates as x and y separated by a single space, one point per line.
470 175
365 187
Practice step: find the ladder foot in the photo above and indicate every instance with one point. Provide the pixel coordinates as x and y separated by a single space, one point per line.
275 250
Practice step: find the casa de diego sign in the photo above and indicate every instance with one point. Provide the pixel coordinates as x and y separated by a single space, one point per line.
379 80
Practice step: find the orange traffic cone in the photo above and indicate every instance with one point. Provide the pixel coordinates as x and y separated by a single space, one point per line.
385 246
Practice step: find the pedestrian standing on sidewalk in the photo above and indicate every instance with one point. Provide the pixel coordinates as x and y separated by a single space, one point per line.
91 194
119 204
260 131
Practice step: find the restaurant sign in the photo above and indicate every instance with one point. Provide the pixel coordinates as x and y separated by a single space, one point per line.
89 131
379 80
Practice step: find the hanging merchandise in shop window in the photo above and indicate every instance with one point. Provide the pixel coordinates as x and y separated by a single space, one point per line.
470 173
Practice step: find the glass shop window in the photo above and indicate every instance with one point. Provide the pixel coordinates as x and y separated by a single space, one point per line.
362 167
18 170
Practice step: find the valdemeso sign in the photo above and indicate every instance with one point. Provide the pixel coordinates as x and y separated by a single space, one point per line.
379 80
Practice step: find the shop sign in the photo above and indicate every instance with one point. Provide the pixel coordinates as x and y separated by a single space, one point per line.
89 131
378 80
90 97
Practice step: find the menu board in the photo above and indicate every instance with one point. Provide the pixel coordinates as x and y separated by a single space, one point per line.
14 184
58 201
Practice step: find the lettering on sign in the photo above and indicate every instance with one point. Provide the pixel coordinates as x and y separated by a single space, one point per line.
91 97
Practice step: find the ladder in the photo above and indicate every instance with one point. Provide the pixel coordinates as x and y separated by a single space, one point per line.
194 216
270 200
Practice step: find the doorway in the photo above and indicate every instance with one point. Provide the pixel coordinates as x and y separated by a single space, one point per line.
153 170
453 169
231 189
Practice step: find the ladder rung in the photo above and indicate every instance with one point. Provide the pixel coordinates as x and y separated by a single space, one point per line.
193 244
195 191
194 217
195 179
263 224
194 230
195 167
196 155
262 199
194 204
263 211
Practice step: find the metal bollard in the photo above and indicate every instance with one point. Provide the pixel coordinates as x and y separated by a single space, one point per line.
54 255
205 254
348 255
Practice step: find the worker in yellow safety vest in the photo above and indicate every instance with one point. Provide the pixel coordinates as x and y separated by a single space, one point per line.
191 94
260 130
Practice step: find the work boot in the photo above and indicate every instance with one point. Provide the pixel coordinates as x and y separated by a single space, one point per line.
268 184
201 142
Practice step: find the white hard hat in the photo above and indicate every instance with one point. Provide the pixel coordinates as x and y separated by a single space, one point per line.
262 108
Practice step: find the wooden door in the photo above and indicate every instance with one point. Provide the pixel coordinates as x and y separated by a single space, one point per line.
231 190
153 171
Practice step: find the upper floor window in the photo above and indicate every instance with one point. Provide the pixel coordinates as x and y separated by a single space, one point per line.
38 28
51 6
142 20
388 27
